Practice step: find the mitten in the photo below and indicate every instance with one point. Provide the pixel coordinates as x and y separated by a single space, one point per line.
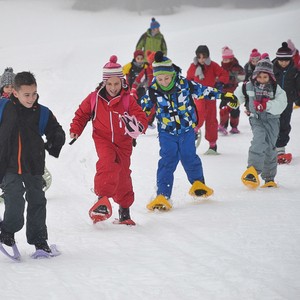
219 86
133 128
225 110
260 106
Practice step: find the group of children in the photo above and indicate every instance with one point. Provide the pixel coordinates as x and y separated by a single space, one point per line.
120 113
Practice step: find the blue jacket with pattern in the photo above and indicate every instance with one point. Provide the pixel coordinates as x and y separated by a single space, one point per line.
175 109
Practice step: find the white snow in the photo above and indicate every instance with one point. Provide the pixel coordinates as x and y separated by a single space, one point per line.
238 244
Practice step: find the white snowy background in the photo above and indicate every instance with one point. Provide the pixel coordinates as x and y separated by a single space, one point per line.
238 244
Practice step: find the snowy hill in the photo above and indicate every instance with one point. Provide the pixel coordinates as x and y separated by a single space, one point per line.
239 244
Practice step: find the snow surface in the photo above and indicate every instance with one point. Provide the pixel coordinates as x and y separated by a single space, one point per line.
238 244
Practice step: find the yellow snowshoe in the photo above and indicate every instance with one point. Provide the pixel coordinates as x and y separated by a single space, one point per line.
199 189
160 203
250 178
269 184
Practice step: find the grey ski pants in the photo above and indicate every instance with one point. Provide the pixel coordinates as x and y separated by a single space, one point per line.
15 187
262 152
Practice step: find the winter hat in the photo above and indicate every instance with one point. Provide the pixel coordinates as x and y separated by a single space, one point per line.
154 24
7 77
265 56
112 69
202 49
265 66
150 57
284 52
162 65
291 46
227 53
255 55
138 52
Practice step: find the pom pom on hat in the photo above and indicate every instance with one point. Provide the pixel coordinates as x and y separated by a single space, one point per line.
162 64
284 52
202 49
291 46
265 66
112 68
227 53
150 57
138 52
154 24
7 78
255 55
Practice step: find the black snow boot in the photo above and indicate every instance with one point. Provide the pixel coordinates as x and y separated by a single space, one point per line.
43 246
7 238
124 214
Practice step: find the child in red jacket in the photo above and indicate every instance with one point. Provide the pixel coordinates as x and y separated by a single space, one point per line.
206 71
117 118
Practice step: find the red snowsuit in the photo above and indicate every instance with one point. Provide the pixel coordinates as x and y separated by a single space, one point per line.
113 147
207 109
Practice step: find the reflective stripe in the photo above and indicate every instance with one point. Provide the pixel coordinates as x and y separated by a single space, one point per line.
19 155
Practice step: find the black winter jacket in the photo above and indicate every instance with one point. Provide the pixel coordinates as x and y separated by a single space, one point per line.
288 79
22 149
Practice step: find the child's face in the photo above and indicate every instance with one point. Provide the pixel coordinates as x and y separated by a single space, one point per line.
139 59
164 79
27 95
263 78
201 58
283 63
227 60
254 61
155 31
113 86
8 89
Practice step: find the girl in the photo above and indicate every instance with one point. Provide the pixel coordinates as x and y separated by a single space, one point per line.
109 107
266 102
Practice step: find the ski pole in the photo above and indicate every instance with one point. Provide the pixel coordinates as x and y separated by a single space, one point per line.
73 141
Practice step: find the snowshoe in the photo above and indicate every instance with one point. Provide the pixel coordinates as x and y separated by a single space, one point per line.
101 210
284 158
270 183
159 203
2 197
222 130
250 178
43 252
47 179
212 151
199 189
234 130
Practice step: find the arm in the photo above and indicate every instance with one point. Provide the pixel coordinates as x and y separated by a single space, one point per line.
239 93
146 103
136 110
191 72
140 44
278 104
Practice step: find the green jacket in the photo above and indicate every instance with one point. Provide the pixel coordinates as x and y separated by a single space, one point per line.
152 43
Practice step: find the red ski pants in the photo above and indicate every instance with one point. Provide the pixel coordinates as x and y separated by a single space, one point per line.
113 174
207 111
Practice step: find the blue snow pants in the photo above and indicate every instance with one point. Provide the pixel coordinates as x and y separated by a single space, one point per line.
172 149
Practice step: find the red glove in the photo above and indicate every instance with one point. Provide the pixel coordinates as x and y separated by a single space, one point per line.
260 106
225 110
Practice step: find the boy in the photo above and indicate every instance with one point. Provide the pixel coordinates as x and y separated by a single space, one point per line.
22 161
172 96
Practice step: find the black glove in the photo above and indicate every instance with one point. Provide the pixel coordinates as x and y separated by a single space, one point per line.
54 144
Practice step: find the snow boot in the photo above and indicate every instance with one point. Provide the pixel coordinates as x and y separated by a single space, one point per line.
160 203
198 138
124 216
269 183
212 150
250 178
43 246
199 189
280 151
7 238
234 130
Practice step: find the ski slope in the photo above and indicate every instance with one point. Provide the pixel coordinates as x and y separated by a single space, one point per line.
238 244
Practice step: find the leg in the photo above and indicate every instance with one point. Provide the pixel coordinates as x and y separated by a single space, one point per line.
36 229
201 113
211 122
224 114
285 127
234 118
167 163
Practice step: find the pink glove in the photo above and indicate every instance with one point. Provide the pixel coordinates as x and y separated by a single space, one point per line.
225 110
260 106
133 127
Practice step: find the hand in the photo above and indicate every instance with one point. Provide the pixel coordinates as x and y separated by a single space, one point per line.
225 110
232 100
260 106
133 128
219 86
73 135
265 100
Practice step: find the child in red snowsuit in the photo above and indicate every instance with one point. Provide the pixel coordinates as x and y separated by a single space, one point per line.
206 71
117 118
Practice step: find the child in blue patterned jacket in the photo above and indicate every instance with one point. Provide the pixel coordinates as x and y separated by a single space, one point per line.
175 112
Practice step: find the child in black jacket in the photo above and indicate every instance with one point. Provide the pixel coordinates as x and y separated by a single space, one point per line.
22 162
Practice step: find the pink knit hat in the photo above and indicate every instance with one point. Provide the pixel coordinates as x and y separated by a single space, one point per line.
227 53
291 46
112 69
255 55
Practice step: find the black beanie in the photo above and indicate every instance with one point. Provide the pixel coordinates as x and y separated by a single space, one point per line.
284 53
202 49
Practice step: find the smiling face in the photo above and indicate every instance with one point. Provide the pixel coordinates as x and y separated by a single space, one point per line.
27 95
113 86
164 79
7 89
263 78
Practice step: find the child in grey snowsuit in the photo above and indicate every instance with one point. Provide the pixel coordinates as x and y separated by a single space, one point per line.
266 102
